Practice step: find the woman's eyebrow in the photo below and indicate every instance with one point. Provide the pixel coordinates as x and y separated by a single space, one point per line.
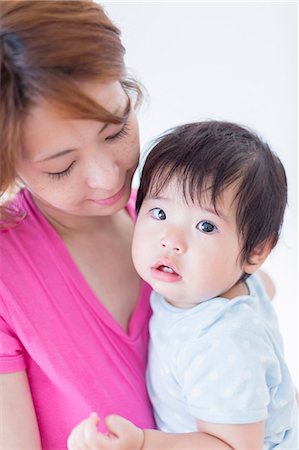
123 116
56 155
127 109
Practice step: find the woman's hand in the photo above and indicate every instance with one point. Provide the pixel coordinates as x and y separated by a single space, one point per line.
122 435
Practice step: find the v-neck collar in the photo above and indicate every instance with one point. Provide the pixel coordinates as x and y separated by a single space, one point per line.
73 275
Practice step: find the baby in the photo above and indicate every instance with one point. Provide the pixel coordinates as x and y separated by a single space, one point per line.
210 208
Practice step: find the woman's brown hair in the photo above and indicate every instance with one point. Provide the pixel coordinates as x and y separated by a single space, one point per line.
46 48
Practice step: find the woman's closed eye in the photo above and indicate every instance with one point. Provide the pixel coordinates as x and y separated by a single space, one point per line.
206 226
123 132
63 173
158 214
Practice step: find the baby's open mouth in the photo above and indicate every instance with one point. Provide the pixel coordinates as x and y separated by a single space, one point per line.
166 269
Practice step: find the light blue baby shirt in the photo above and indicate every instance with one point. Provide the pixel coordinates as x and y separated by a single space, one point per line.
221 362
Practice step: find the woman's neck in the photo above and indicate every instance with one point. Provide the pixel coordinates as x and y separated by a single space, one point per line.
73 225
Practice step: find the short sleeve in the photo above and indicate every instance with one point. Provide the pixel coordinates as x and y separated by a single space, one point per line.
11 350
227 378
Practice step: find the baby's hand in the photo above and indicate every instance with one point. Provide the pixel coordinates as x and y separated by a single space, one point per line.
122 435
85 435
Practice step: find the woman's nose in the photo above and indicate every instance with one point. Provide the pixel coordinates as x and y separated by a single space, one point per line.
102 174
174 242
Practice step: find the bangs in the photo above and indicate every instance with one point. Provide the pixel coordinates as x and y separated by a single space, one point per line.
196 182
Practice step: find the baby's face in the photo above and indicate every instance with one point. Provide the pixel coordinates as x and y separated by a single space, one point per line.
187 253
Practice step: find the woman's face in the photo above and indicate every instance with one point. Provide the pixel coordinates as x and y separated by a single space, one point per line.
80 167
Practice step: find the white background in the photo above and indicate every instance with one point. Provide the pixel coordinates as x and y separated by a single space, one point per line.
225 60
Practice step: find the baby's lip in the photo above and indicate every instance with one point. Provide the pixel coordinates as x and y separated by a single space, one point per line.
165 265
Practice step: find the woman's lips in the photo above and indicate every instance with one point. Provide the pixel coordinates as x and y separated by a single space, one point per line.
111 200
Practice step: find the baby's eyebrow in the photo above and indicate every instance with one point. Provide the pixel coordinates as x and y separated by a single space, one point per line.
157 198
207 208
212 210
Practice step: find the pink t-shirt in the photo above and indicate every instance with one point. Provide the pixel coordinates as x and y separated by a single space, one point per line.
78 358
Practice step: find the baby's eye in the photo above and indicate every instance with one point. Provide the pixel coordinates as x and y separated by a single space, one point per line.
206 227
158 213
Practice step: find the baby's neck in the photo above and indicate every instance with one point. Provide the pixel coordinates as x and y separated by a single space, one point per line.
235 291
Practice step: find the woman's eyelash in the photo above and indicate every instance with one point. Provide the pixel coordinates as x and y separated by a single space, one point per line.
63 173
120 134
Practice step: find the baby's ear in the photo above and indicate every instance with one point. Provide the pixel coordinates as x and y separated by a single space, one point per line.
257 256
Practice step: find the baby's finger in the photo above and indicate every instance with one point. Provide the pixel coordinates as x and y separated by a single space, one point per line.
76 440
91 432
101 441
94 439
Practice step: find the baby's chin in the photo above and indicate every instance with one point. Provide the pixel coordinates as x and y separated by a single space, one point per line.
171 299
179 301
181 304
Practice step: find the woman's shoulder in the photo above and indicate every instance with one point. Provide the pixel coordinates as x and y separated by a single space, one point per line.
25 236
18 216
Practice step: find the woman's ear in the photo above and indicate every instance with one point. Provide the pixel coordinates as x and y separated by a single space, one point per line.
257 256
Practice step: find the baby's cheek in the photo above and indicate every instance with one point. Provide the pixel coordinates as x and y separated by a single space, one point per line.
142 256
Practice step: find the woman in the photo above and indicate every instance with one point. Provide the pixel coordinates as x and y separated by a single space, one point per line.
74 314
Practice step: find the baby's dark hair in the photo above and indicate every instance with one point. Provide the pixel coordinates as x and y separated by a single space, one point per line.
221 154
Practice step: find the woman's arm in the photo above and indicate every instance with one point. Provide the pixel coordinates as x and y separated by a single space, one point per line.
18 424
